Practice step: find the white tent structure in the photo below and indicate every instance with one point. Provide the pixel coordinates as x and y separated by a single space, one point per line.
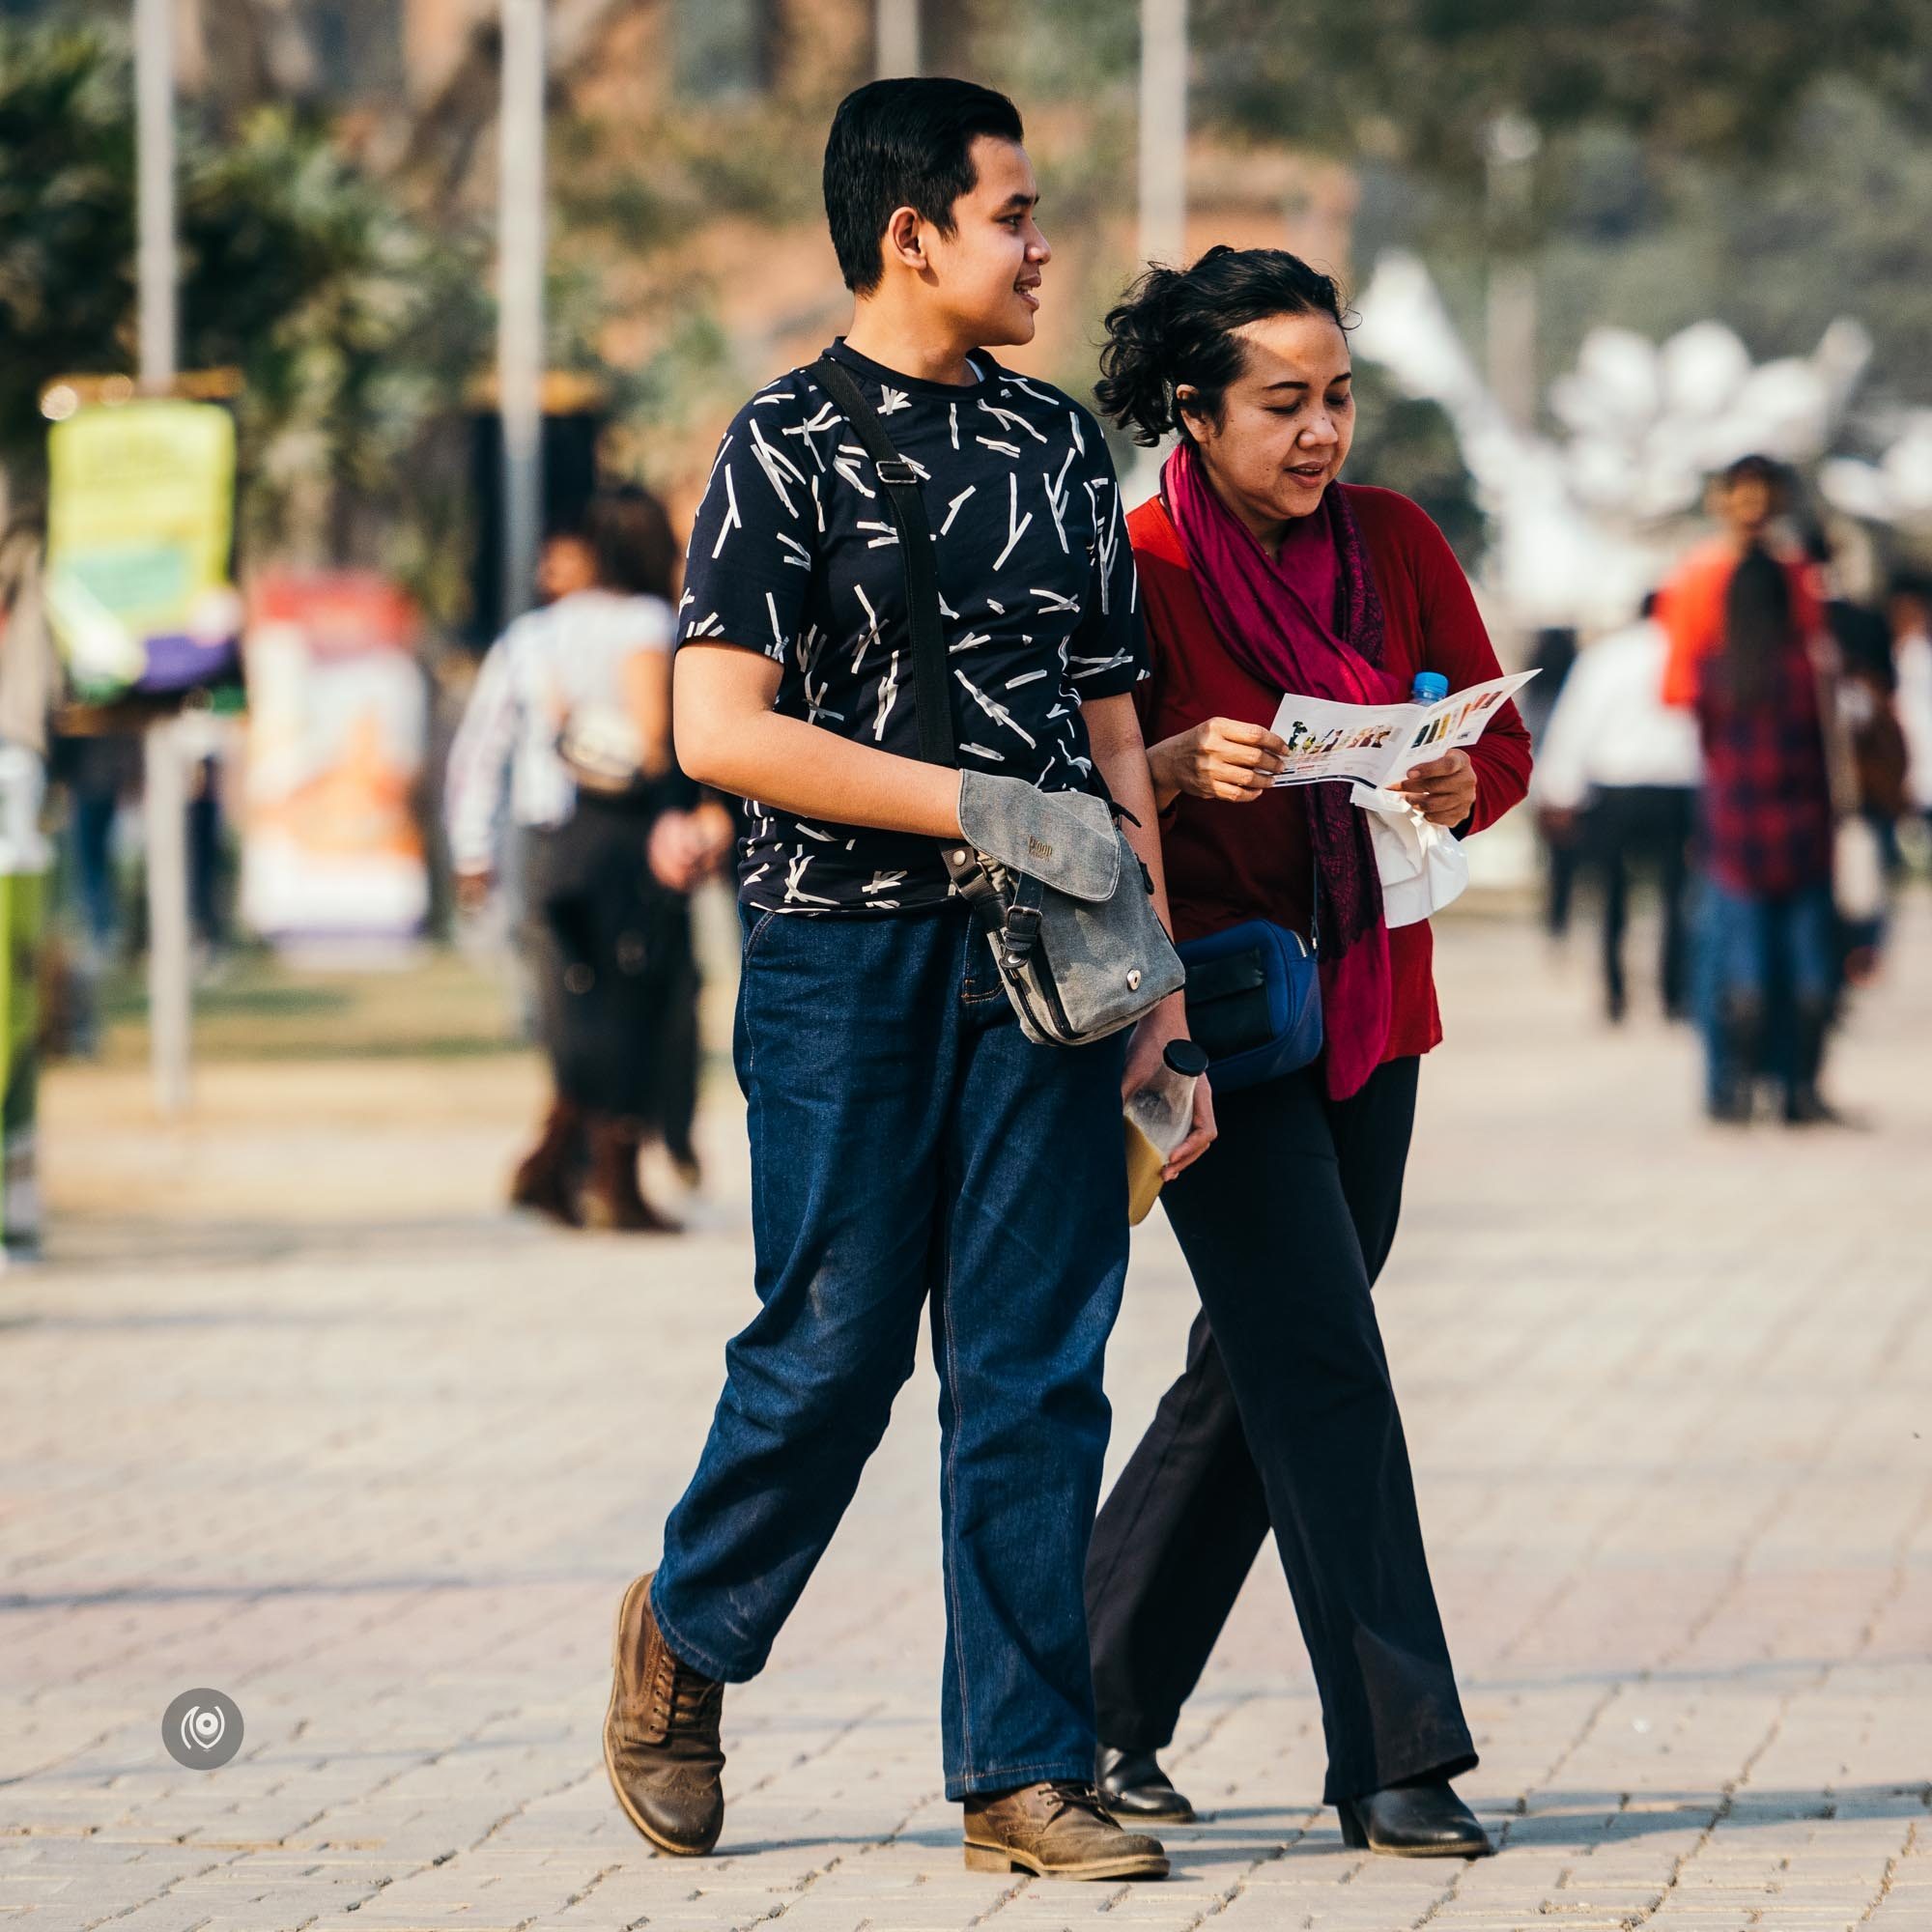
1586 524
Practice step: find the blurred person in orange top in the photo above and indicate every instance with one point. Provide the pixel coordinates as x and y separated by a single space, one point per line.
1747 653
571 713
1747 501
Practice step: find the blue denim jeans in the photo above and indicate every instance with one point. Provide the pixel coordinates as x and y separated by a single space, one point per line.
1773 957
910 1150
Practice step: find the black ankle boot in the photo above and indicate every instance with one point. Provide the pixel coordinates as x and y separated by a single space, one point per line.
1804 1105
1734 1077
1414 1821
1136 1791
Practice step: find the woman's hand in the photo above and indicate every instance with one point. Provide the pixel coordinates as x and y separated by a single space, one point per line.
1221 758
686 847
1444 792
1169 1021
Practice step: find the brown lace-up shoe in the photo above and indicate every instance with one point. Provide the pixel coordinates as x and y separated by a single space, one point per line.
661 1735
1058 1831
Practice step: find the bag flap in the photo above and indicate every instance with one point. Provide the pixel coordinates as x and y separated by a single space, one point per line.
1065 839
1221 978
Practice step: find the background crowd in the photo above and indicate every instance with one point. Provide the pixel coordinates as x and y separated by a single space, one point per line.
1704 242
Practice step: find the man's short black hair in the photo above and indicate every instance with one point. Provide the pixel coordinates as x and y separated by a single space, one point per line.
903 144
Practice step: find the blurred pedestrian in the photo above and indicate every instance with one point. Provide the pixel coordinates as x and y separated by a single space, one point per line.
572 711
1263 574
1874 750
1617 777
1744 628
1552 655
1908 610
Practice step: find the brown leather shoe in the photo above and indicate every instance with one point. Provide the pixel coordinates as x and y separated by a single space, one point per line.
1058 1831
611 1199
545 1181
661 1735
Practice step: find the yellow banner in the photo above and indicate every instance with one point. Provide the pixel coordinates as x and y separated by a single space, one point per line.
141 513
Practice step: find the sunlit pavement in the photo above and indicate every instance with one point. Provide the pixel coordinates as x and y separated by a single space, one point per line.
318 1428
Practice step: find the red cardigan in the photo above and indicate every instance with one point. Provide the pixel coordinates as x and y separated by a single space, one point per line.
1227 863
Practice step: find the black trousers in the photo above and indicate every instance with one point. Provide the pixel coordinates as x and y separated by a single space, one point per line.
1648 826
615 974
1283 1418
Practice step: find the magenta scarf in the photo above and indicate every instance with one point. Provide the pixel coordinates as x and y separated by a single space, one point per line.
1280 624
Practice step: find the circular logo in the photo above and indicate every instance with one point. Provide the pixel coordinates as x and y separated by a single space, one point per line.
202 1730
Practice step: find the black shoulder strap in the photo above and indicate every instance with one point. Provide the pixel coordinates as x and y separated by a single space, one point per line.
931 683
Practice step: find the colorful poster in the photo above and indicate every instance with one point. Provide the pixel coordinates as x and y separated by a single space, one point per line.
339 723
140 514
22 910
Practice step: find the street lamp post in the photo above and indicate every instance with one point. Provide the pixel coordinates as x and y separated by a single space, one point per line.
895 47
1512 144
520 293
165 805
1163 131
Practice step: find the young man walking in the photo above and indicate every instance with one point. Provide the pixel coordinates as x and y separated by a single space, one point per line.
910 1148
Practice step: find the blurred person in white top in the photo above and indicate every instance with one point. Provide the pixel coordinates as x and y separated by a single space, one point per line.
570 715
1620 769
1909 606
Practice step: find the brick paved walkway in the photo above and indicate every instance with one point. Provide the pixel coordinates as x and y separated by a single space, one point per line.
382 1479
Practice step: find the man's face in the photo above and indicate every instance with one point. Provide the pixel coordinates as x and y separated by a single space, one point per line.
986 272
1747 505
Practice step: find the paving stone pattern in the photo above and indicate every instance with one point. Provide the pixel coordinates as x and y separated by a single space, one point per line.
381 1477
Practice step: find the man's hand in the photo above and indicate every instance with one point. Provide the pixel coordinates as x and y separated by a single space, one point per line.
1444 792
473 889
1169 1021
1221 758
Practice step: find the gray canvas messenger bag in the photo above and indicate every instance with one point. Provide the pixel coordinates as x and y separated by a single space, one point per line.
1063 899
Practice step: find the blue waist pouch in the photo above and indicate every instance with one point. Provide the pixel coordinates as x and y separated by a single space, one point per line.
1254 1003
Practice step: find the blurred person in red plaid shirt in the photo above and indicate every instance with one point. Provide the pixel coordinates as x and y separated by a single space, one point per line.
1749 652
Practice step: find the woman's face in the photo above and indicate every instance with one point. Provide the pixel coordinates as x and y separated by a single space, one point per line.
565 565
1287 420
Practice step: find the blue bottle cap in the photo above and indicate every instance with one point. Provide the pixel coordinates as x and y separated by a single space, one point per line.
1431 687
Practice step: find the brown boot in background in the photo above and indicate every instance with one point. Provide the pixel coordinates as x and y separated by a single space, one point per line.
545 1181
661 1744
1058 1829
612 1198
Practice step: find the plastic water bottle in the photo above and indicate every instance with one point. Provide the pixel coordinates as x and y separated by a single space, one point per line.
1431 687
1159 1118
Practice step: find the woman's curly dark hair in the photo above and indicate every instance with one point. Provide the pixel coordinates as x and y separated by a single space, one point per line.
1176 325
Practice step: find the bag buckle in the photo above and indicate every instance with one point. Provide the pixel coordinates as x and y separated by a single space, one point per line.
895 469
1019 933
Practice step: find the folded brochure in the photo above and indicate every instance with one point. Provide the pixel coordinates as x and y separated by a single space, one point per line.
1377 744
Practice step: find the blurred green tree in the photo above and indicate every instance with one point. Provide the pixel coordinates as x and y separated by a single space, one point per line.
348 323
1422 81
1405 443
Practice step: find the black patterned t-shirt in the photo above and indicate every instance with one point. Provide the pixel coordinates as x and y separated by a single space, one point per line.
794 553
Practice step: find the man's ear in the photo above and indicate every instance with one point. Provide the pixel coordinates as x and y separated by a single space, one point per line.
903 240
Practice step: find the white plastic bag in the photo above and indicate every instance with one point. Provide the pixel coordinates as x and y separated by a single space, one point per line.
1857 872
1423 866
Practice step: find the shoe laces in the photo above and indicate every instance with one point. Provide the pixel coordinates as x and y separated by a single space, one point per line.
681 1697
1070 1795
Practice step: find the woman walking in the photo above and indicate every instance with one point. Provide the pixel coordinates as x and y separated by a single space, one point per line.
573 707
1262 575
1745 630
